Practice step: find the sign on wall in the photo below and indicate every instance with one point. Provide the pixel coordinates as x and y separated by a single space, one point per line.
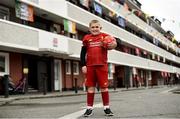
52 42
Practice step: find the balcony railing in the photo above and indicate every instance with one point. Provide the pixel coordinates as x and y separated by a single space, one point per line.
39 41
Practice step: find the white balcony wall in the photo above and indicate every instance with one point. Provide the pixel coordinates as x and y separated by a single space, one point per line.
18 36
53 42
135 61
121 58
22 37
177 70
85 17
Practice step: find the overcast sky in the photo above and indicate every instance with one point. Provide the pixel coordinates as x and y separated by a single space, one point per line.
168 9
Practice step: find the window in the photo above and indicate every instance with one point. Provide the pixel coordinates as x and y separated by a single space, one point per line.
149 75
68 67
110 75
75 68
55 28
110 70
4 13
4 63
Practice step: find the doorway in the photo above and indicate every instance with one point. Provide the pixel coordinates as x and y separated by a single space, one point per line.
57 75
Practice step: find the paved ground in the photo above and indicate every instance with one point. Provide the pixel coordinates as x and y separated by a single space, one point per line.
142 103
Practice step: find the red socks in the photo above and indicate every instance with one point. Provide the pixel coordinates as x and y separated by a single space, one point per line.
105 98
90 99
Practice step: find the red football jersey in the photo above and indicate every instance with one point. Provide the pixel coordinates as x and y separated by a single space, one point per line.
96 54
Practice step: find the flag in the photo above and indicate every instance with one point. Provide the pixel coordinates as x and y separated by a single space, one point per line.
164 59
121 22
69 26
112 14
153 56
126 7
24 11
145 53
97 8
134 70
162 74
163 20
158 58
139 13
137 51
173 40
111 68
85 3
167 47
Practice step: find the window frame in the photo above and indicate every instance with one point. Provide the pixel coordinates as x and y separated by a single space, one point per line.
6 55
110 71
5 12
77 68
68 67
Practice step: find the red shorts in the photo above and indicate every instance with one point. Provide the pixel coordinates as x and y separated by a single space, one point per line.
97 74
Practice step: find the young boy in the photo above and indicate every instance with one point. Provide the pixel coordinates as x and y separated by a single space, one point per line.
94 64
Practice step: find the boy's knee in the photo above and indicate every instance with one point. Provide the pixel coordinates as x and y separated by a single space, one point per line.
91 89
104 89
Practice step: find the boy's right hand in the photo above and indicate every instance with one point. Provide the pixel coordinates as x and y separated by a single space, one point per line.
84 69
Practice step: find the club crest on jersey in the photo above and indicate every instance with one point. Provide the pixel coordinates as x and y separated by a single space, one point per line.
89 40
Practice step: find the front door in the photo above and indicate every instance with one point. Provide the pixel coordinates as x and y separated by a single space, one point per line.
57 75
42 73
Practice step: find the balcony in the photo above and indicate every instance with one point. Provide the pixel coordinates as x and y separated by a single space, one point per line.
24 39
135 61
80 16
16 36
84 17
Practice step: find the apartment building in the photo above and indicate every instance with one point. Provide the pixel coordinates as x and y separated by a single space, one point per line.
41 40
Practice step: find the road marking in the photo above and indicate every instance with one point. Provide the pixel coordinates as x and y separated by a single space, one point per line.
77 114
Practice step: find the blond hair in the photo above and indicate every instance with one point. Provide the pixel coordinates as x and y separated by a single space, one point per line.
93 21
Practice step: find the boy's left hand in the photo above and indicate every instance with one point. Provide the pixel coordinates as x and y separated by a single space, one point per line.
112 45
110 42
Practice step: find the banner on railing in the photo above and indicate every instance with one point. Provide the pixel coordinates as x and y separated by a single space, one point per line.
24 11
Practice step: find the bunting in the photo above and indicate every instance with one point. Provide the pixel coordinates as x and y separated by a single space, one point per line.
173 21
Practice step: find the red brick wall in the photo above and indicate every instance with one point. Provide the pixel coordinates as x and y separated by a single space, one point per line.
68 82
